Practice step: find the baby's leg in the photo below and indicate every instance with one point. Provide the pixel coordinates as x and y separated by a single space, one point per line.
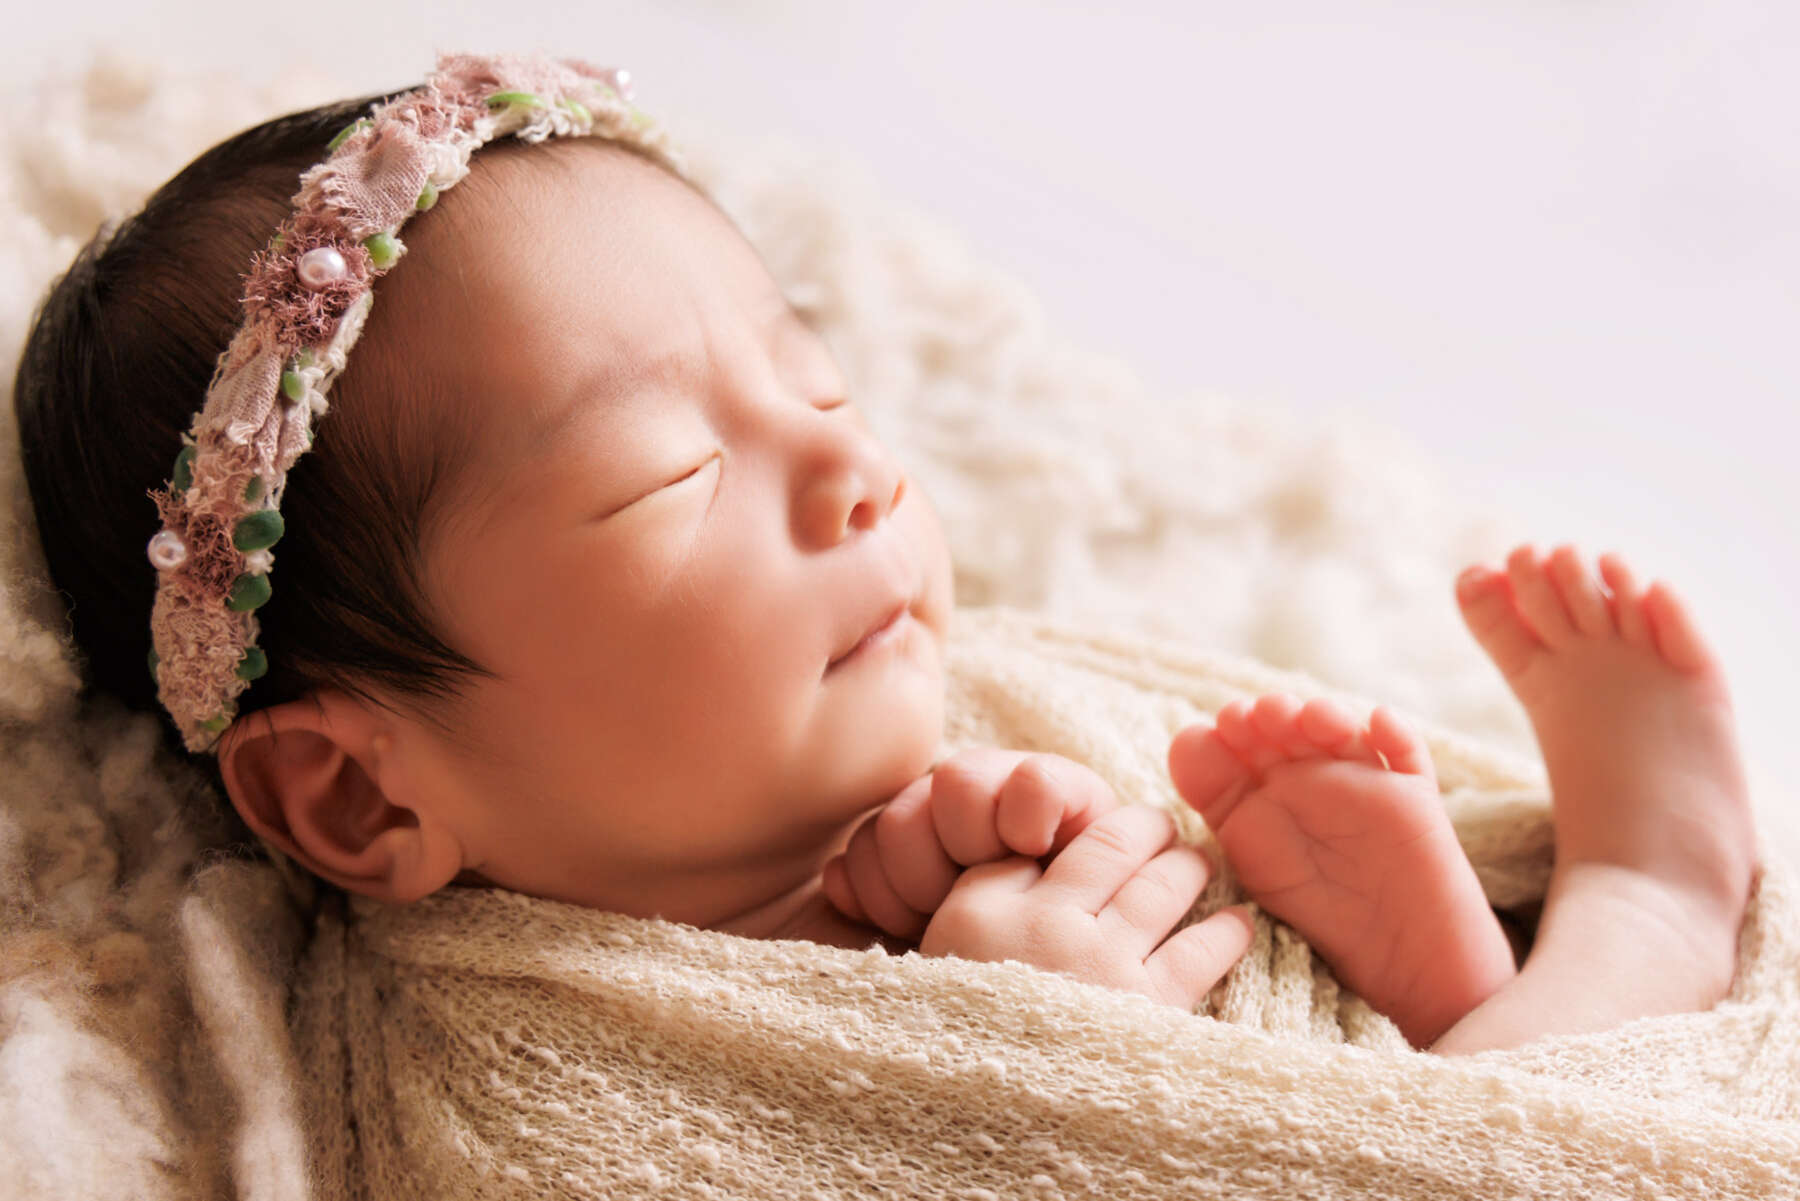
1339 830
1654 838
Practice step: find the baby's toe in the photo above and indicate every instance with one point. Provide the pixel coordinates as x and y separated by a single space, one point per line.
1241 733
1206 772
1627 600
1331 728
1486 600
1400 745
1241 736
1537 599
1678 639
1580 593
1277 717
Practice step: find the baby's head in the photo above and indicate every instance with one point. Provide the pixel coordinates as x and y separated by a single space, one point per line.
567 570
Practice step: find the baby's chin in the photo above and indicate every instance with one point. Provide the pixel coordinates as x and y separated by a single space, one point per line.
889 750
902 762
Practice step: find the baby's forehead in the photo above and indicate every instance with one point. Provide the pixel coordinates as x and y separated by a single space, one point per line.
574 239
582 202
560 269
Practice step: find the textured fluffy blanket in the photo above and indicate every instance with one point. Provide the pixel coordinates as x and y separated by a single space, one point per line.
144 997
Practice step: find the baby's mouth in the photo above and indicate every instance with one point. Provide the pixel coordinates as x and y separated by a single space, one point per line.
884 629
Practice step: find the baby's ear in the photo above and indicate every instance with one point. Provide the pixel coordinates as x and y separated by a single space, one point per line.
317 778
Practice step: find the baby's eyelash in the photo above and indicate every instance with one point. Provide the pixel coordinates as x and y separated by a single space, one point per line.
696 471
659 489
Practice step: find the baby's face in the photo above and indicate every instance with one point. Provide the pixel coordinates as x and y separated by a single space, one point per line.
676 524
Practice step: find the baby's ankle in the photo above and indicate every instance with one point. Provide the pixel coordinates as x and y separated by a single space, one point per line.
1653 946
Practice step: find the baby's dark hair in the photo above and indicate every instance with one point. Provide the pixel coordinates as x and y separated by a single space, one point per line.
120 354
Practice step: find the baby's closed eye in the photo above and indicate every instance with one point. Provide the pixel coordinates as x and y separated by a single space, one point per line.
692 475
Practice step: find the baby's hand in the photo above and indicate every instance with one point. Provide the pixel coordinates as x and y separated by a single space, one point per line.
978 806
1101 913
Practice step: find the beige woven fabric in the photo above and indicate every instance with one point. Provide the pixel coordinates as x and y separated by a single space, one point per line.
487 1044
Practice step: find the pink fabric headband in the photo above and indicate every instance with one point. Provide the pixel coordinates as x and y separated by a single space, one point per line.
305 301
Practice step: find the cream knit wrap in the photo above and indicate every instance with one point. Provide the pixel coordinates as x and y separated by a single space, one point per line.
487 1044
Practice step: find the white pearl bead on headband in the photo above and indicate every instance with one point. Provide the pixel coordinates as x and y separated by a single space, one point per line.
306 299
321 266
167 550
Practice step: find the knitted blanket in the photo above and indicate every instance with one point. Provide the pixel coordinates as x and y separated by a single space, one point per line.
486 1044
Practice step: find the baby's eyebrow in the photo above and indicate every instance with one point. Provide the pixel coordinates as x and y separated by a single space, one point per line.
614 383
611 385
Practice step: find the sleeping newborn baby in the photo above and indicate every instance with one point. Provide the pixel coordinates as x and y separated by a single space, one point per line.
686 622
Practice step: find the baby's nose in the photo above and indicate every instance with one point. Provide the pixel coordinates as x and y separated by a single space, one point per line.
853 486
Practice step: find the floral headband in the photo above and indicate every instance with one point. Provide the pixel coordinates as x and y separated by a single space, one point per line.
305 300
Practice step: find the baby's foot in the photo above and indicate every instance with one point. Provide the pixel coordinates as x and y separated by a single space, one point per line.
1655 844
1355 853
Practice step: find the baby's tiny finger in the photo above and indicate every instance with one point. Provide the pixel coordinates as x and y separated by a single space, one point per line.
834 881
1048 800
1028 808
862 860
1161 893
985 903
1012 875
1099 861
964 791
916 864
1185 968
